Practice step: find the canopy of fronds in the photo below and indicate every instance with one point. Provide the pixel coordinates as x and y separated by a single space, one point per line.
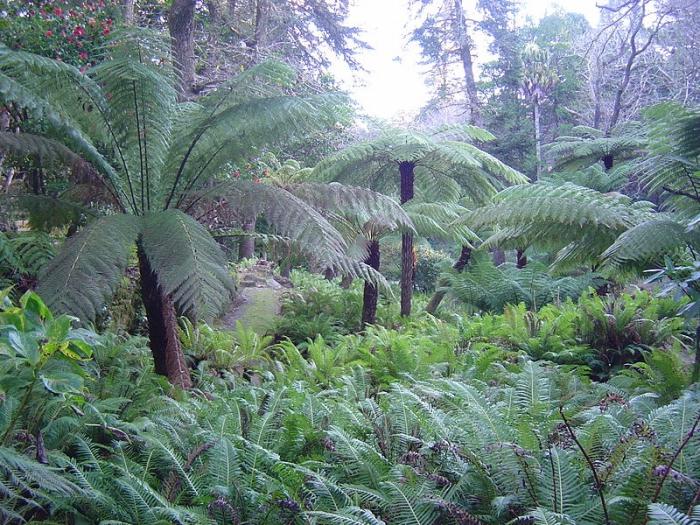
448 164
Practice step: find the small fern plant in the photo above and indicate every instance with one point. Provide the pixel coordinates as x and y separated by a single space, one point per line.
158 160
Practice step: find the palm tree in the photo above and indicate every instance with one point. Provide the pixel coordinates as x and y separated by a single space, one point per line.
440 166
157 159
538 81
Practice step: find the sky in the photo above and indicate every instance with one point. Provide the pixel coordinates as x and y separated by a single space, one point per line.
393 85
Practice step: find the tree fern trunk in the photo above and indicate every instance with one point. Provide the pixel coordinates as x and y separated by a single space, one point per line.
181 27
520 259
371 294
162 328
538 137
406 171
608 162
461 263
246 248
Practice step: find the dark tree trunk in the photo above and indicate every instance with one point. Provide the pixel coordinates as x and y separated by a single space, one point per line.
498 256
262 13
696 366
329 274
371 294
162 328
608 162
346 282
181 27
520 259
406 172
286 270
459 265
246 248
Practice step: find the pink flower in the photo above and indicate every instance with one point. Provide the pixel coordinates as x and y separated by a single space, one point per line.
83 55
105 31
79 31
49 33
57 11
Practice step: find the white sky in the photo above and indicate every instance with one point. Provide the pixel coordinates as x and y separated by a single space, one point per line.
394 86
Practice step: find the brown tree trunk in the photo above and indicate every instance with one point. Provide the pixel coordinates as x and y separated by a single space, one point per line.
459 265
473 115
371 294
162 328
406 172
262 13
346 282
181 27
520 259
498 256
246 248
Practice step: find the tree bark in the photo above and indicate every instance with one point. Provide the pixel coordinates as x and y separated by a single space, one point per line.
461 263
371 294
608 162
262 12
538 136
168 357
246 248
696 366
128 6
473 115
406 172
181 27
520 259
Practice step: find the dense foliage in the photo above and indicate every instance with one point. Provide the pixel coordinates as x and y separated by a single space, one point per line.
407 426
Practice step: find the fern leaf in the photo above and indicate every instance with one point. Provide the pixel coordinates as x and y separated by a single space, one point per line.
81 279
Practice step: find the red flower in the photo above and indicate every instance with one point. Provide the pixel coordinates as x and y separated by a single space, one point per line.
83 55
57 11
49 33
105 31
79 31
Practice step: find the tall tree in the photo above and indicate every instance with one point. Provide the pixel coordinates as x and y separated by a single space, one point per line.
181 27
538 81
444 164
157 161
445 39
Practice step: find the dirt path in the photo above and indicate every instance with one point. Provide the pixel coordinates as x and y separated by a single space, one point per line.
258 304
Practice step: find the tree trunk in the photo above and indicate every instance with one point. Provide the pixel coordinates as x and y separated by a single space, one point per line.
262 12
473 115
461 263
371 294
407 258
181 27
329 274
608 162
696 366
498 256
162 328
538 137
128 6
246 248
346 282
520 259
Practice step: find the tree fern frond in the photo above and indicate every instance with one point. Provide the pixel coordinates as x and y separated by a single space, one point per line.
101 250
647 242
197 279
663 514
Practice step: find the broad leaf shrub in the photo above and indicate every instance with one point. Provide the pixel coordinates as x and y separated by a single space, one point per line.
394 426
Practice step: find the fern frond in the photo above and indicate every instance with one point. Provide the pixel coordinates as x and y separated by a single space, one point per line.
69 283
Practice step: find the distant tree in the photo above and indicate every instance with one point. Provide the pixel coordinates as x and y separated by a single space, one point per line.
538 81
